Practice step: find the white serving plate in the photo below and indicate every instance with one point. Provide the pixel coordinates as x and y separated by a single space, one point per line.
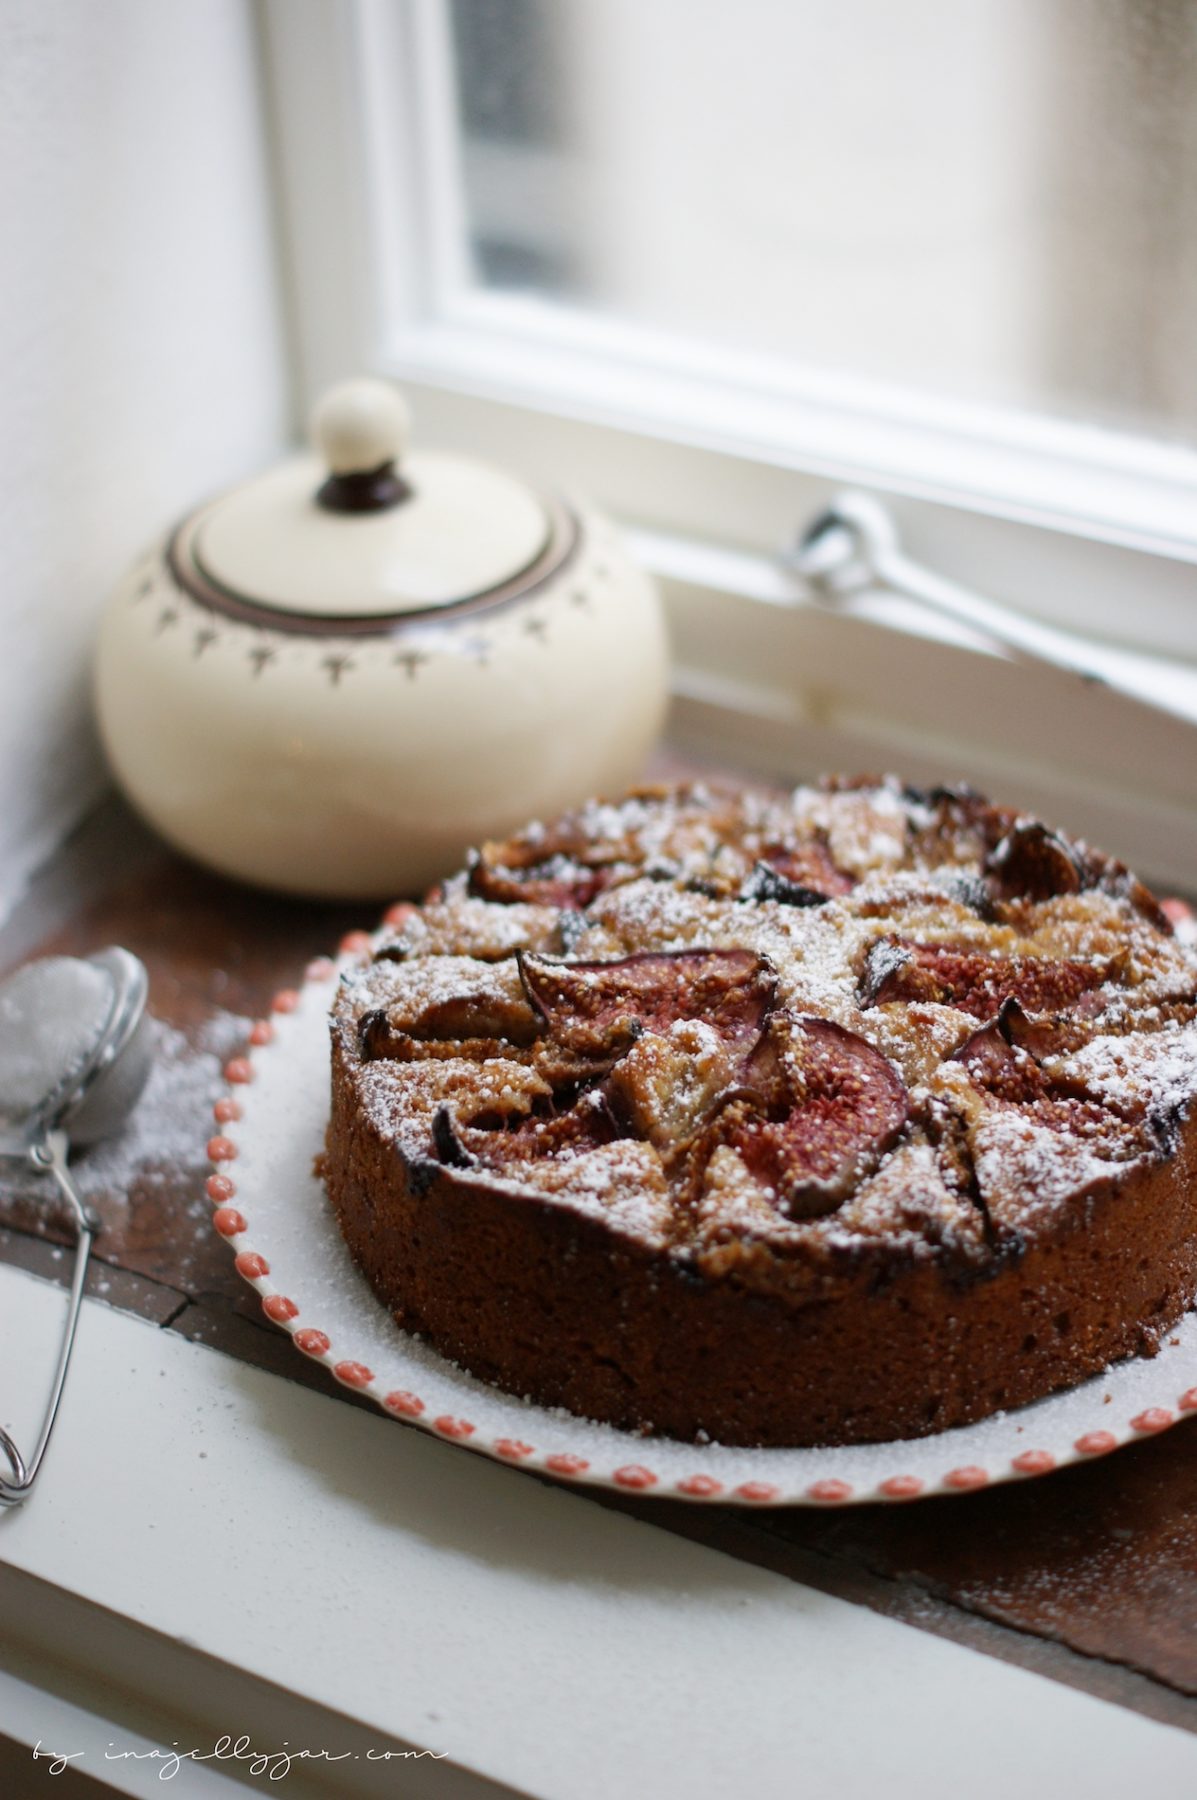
271 1208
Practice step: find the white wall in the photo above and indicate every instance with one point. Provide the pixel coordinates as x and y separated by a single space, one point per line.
142 360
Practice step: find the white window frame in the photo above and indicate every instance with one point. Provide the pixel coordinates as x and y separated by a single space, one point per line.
714 460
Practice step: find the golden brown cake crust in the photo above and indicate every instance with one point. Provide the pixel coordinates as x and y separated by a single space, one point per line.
828 1119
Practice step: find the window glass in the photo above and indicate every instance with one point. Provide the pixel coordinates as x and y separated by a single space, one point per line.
988 201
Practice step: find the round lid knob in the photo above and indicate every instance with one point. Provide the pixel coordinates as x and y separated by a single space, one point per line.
361 425
355 534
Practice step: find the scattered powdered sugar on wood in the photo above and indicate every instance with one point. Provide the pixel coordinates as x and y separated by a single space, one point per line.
160 1149
167 1129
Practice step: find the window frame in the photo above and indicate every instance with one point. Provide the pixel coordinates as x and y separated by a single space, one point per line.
1091 530
362 92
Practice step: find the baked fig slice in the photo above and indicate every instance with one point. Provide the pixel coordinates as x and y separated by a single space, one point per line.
599 1009
559 881
458 1018
450 1151
1033 863
956 823
502 1147
999 1062
768 883
493 1142
569 862
670 1082
973 892
842 1107
1117 879
807 866
1005 1061
974 981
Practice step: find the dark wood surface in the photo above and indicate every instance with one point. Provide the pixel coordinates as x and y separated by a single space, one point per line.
1088 1576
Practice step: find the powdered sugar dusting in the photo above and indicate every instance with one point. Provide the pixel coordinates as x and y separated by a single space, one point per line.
619 1183
681 873
1149 1069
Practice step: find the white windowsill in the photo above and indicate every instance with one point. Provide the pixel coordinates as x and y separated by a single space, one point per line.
314 1568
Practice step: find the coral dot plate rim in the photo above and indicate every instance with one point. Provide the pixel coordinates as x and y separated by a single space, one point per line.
270 1207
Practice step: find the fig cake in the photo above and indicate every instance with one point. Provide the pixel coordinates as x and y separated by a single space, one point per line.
838 1117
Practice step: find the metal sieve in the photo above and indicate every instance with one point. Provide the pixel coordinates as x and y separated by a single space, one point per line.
74 1057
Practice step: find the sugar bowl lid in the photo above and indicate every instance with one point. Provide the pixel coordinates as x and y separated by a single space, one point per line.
366 531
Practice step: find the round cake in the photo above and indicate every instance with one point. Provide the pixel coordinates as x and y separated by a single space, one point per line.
834 1118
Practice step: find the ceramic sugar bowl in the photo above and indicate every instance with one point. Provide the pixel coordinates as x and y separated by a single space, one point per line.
334 678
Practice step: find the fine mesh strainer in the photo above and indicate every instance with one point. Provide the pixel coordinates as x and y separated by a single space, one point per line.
74 1057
